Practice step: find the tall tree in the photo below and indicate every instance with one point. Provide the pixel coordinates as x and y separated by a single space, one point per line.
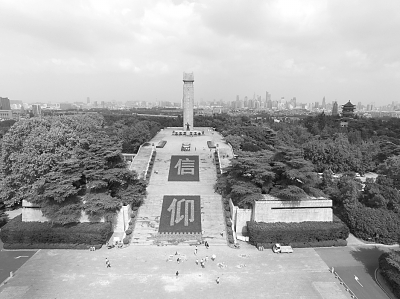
67 165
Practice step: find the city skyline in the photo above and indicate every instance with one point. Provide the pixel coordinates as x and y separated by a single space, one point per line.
123 51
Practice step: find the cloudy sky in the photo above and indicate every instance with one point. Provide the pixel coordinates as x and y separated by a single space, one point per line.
124 50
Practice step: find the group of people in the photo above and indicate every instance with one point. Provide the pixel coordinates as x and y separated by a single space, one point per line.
202 261
118 244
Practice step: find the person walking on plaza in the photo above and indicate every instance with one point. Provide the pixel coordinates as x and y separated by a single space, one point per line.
202 263
206 244
177 274
195 250
108 265
197 262
217 280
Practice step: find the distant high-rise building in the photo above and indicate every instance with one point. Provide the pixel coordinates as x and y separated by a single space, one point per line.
5 104
36 110
335 109
250 103
268 101
323 103
293 103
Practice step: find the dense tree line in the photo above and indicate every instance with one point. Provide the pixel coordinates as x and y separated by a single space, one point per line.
66 165
134 130
287 167
72 163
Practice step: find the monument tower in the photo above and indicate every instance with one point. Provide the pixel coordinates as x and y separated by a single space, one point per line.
188 101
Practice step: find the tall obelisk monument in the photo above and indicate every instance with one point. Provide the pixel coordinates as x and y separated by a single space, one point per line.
188 101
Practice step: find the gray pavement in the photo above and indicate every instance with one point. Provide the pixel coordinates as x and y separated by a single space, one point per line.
361 262
144 272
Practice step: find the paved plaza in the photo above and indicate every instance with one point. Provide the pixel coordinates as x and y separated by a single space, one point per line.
150 272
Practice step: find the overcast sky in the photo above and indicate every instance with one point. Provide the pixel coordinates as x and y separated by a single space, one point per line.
117 50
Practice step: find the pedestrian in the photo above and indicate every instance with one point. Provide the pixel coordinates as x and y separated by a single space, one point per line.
206 259
195 250
177 274
108 265
213 257
178 260
206 244
176 253
197 262
217 280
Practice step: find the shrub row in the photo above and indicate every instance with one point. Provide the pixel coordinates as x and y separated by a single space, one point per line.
3 218
389 264
34 233
301 232
367 223
217 165
151 164
131 227
50 246
228 222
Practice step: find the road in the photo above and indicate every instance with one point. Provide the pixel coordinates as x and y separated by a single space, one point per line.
11 261
356 261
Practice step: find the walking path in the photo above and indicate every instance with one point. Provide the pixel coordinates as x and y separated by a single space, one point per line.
148 218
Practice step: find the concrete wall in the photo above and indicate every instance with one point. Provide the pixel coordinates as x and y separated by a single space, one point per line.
239 219
31 212
280 211
242 216
292 211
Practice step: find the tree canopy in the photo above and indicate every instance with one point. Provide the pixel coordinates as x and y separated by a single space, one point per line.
282 172
66 165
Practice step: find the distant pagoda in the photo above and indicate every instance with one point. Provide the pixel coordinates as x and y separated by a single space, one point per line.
348 110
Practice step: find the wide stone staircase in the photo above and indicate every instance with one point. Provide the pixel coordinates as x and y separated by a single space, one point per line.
148 218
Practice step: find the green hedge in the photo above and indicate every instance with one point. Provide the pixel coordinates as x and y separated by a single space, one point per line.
50 246
33 233
389 264
301 232
3 218
381 225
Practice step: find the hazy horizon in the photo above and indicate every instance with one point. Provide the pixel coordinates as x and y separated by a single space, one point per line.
66 51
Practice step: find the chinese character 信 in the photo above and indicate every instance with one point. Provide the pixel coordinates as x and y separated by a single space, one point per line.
185 166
